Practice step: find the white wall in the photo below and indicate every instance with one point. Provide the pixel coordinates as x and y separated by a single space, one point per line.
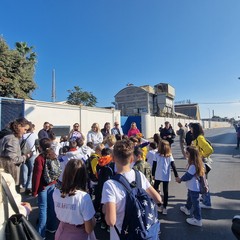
151 124
66 115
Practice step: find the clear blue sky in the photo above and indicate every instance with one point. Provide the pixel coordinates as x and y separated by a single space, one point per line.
101 45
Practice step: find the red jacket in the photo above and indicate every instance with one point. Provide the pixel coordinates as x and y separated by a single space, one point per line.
38 183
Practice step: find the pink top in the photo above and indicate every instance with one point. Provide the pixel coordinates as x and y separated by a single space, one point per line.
133 132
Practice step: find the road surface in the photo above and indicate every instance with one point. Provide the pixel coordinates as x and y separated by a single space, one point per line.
225 191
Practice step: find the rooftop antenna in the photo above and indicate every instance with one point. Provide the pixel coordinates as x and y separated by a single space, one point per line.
53 86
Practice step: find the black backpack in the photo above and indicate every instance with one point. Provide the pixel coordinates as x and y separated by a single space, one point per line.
141 217
88 164
105 173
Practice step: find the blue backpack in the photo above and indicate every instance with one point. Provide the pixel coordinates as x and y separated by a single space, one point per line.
141 218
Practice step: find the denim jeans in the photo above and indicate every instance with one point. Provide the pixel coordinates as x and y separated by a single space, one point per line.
47 216
26 172
193 202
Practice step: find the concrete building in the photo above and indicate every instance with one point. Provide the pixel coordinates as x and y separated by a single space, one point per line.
157 100
191 110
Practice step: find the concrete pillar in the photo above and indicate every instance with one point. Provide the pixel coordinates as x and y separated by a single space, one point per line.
146 125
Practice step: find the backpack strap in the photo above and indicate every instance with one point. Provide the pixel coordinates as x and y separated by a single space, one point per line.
9 196
128 186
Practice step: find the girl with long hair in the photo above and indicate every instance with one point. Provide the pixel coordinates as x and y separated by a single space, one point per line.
73 205
43 191
205 150
195 169
161 171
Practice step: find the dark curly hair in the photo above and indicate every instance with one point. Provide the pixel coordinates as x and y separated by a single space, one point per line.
15 124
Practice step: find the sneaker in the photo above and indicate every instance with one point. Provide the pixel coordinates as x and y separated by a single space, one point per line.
185 210
201 205
194 221
164 211
160 208
103 225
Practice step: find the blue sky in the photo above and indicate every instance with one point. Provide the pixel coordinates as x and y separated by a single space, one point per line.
101 45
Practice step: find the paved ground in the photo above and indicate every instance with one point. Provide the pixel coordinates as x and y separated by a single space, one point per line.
225 191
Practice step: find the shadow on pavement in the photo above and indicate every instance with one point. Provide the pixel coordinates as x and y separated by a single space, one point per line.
228 194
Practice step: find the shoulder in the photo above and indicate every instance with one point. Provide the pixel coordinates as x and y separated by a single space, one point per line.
192 169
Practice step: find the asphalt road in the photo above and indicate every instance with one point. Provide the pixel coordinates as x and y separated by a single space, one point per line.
224 187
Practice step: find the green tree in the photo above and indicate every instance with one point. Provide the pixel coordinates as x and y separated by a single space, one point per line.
17 68
77 96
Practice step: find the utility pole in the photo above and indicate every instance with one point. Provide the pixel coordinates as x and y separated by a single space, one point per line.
53 86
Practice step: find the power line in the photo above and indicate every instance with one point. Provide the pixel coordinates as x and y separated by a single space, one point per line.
234 102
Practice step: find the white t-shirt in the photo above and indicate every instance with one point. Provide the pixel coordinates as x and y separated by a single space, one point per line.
163 168
64 160
114 192
94 137
151 156
192 184
30 141
75 209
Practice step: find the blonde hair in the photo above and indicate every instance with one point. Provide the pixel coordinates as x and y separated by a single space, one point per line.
110 140
95 125
164 148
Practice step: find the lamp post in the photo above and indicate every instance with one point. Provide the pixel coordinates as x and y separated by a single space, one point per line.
209 117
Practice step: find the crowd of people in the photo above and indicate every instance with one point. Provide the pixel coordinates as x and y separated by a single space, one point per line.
85 191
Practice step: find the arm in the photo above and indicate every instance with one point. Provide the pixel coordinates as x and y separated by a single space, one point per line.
13 151
83 137
154 168
186 177
154 195
89 225
174 169
89 137
70 134
37 173
110 215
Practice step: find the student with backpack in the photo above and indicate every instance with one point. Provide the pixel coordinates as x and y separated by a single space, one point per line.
161 171
105 170
205 150
43 190
195 170
141 165
122 206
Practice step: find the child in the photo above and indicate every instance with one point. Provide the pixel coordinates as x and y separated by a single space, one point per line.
105 170
114 194
194 170
162 171
151 153
141 165
73 205
43 192
72 153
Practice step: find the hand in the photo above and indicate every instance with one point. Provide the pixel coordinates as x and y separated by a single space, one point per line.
178 179
27 205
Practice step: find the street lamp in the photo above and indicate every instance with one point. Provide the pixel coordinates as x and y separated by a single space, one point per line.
209 117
